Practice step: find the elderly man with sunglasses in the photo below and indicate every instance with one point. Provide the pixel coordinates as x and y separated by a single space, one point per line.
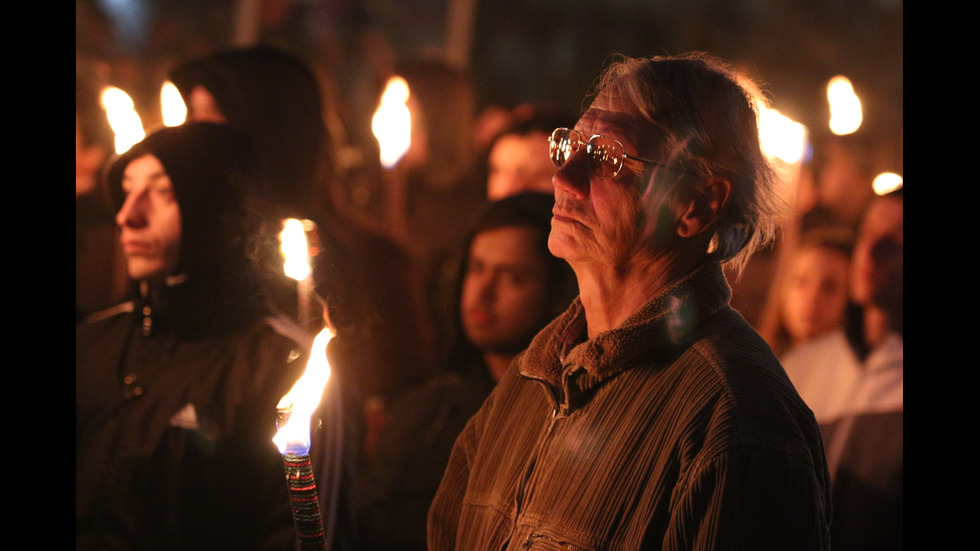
649 415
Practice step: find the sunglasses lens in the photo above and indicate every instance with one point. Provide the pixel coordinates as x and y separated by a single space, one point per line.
561 147
605 156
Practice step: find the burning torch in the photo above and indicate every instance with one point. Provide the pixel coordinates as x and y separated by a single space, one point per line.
392 126
295 410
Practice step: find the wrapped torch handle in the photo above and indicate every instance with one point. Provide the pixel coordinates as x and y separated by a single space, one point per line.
303 499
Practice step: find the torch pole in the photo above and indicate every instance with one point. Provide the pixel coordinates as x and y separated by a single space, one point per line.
303 500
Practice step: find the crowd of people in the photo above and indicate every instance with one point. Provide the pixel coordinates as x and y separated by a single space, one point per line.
540 349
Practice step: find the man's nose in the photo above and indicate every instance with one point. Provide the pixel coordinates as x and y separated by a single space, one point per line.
488 287
573 176
133 212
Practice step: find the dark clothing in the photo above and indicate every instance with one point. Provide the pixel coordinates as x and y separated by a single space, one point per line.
375 303
396 491
100 273
174 418
176 392
858 400
677 430
271 96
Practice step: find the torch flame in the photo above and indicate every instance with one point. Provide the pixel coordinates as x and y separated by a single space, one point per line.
392 122
845 106
123 118
172 105
781 137
297 406
887 182
295 250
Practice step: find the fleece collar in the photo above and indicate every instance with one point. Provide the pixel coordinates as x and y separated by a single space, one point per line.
662 327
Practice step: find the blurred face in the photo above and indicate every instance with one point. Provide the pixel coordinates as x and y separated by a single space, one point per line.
815 292
598 219
519 163
504 296
877 276
88 162
149 221
203 107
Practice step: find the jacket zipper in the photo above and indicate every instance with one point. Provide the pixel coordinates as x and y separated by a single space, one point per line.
556 414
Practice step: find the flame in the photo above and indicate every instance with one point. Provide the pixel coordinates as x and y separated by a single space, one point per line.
392 122
295 249
172 105
781 137
297 406
123 119
845 106
887 182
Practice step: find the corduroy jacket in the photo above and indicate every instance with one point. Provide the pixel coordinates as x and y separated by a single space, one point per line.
677 430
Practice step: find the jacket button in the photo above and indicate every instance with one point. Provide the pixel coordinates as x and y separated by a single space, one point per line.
132 386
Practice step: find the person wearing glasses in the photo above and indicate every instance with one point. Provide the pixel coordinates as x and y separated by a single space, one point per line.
649 415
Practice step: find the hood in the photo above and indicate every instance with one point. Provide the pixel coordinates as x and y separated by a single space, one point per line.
273 97
213 171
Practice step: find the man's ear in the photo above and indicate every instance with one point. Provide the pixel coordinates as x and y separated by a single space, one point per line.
709 198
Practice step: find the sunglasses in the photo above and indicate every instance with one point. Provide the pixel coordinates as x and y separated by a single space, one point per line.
606 155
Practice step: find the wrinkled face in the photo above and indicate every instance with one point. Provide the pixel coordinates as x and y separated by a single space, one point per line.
149 221
504 295
603 220
877 273
519 163
815 292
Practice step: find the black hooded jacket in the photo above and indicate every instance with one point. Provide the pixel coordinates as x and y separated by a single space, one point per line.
176 391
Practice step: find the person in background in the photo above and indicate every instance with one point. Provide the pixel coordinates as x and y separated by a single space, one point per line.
853 380
273 97
442 188
810 297
100 274
510 286
518 159
372 289
176 390
649 415
842 169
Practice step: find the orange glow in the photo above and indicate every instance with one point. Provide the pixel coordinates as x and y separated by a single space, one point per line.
295 249
172 105
392 122
123 118
845 106
781 137
887 182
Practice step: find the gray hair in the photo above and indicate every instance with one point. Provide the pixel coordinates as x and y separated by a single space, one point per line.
708 115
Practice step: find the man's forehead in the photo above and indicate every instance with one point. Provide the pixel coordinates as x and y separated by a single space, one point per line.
144 164
610 116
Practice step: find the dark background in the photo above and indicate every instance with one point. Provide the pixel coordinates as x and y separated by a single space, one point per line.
525 50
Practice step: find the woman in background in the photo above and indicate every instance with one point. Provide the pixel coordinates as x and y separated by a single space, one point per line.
810 297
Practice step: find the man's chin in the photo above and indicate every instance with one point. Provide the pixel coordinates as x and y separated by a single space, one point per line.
146 271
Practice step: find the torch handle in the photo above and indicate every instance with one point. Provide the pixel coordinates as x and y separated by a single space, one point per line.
303 499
